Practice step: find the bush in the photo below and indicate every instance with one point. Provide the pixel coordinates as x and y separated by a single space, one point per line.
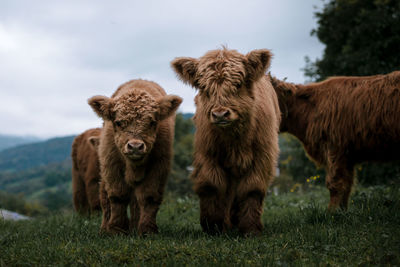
17 203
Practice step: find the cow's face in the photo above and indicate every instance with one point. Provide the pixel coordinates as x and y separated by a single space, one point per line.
225 80
135 117
286 93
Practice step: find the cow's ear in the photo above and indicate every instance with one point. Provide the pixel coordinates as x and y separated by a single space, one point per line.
186 69
168 105
257 63
94 141
282 88
102 105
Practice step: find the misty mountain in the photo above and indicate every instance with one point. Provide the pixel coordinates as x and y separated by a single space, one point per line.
38 154
7 141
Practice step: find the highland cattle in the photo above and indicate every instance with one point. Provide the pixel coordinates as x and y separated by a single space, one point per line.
343 121
236 140
86 172
135 154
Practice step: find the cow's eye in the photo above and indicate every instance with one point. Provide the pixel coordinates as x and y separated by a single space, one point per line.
118 123
153 124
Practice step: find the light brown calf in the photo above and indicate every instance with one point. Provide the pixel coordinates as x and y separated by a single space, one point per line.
236 140
343 121
135 154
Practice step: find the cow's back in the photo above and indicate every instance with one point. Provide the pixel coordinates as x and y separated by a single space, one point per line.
84 156
359 115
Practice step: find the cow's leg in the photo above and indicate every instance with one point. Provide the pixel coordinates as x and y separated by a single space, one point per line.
135 212
234 216
148 205
339 181
149 193
79 197
92 192
230 220
250 196
211 186
105 207
344 203
119 197
212 209
249 211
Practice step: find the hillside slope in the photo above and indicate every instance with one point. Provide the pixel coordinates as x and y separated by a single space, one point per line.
38 154
7 141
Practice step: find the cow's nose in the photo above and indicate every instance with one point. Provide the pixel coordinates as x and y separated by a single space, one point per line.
221 114
135 146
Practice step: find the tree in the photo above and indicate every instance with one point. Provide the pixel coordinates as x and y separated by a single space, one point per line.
361 37
179 181
294 161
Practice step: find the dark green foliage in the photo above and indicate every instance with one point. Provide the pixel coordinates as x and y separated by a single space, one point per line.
179 181
294 161
298 231
57 198
361 37
48 186
32 180
17 203
379 173
34 155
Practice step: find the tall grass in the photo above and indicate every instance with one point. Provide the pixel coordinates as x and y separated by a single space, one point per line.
298 231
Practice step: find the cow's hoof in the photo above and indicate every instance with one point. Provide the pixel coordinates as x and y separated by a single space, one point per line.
145 230
251 230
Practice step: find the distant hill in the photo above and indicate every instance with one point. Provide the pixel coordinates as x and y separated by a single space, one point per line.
41 172
38 154
7 141
42 188
187 115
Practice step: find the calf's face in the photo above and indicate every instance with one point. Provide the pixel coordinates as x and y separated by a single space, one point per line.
225 80
135 118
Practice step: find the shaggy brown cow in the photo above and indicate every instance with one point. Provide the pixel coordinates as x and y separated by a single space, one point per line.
86 172
135 153
343 121
236 141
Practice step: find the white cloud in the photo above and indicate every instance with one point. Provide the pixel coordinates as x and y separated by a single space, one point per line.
56 54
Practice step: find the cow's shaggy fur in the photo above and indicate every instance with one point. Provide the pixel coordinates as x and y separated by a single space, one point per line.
135 154
236 140
343 121
86 172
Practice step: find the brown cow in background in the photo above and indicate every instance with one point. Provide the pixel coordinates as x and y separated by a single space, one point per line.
343 121
135 154
86 172
236 138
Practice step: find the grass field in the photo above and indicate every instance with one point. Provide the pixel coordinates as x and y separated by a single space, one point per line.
298 231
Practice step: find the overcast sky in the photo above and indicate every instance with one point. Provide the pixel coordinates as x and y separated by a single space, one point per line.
54 55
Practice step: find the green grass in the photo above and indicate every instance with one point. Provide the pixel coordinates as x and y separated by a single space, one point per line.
298 231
